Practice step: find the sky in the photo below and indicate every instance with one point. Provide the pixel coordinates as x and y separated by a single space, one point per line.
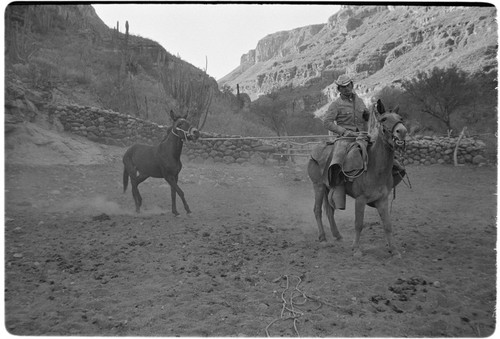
219 33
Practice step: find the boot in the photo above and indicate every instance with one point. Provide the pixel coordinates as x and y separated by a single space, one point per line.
336 197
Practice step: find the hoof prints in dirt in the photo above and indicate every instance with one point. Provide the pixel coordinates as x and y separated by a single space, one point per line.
230 253
404 290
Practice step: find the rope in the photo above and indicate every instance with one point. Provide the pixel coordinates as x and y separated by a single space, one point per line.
295 137
289 309
184 133
407 177
268 138
403 181
363 136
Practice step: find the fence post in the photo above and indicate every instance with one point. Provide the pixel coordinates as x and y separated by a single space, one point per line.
289 150
456 146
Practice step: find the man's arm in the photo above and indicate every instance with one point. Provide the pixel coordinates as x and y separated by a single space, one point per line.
363 109
329 120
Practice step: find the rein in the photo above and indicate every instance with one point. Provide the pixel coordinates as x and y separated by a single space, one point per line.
402 180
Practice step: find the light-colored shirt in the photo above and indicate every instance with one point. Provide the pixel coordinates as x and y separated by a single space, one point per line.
346 113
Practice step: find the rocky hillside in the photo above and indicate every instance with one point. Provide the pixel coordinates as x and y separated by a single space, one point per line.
65 54
380 45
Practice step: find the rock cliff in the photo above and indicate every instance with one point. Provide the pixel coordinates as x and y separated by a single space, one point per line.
380 45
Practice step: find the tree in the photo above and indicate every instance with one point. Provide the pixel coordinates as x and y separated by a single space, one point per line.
226 90
392 97
441 92
481 115
273 112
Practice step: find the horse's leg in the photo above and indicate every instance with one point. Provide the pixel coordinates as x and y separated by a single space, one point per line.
180 192
331 219
173 199
174 188
319 195
383 210
135 181
358 224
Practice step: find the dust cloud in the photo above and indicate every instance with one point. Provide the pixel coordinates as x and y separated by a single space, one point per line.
293 204
101 204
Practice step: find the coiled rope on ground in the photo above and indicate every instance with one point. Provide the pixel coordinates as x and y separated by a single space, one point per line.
290 309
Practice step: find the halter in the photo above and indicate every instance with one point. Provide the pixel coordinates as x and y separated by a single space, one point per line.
184 131
389 132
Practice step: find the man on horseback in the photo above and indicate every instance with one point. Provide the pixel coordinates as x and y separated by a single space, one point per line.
347 114
346 117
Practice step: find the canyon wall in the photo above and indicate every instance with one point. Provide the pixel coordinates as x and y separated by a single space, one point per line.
378 45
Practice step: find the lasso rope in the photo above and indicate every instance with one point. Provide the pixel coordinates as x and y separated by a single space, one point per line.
363 136
178 136
289 309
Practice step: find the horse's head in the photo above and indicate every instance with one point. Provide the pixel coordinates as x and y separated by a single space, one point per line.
391 122
183 129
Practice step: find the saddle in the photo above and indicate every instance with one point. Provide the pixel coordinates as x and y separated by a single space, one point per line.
344 159
341 159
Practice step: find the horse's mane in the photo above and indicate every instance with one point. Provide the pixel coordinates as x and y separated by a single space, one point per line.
373 122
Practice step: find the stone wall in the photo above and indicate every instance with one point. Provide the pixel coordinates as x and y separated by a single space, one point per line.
105 126
109 127
439 150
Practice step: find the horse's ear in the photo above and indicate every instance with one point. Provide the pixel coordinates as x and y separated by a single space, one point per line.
396 109
380 107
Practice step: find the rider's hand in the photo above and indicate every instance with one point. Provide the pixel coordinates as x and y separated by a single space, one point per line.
366 115
348 133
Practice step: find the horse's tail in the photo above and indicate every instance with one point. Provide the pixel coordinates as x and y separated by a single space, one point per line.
125 179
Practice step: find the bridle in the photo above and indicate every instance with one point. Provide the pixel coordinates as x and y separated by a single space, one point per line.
185 133
388 130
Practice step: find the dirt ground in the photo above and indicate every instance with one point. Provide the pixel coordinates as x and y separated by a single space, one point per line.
246 262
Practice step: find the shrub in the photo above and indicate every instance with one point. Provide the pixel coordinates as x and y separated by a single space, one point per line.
441 92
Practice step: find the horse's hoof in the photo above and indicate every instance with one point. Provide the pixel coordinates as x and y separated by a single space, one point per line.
322 238
339 238
357 253
176 214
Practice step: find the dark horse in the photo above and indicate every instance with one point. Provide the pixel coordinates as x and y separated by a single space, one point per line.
160 161
386 131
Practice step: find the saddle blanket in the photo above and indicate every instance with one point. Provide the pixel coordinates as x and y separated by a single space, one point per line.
342 156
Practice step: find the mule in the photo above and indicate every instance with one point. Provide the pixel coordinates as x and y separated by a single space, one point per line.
160 161
386 131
